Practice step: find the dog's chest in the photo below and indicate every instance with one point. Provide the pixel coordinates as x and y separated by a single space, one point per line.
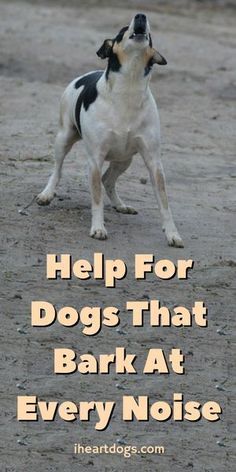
122 144
124 120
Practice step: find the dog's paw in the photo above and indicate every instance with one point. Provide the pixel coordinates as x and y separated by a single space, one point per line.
98 233
126 209
44 198
174 239
172 235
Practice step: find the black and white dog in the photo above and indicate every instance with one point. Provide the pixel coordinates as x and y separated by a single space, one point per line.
116 115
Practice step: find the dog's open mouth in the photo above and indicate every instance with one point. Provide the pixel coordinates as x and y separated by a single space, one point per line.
139 34
139 28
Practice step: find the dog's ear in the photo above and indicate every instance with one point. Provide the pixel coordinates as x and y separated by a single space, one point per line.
157 58
105 49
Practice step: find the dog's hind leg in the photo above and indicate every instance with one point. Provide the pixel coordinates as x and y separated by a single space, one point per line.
65 139
109 179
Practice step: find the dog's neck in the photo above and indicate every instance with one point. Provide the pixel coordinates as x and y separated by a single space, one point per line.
131 80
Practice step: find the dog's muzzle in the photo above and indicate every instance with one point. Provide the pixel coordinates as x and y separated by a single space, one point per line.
140 28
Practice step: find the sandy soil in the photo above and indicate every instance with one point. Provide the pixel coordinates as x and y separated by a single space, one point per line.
42 48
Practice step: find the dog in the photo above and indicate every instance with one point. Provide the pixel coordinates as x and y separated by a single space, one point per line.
114 112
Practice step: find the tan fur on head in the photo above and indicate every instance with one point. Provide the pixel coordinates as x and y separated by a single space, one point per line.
119 51
157 58
148 54
151 56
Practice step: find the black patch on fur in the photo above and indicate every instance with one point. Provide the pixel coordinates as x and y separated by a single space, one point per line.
120 35
88 95
105 49
148 67
150 41
114 64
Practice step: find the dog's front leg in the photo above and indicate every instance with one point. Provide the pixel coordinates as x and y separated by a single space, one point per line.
98 229
152 159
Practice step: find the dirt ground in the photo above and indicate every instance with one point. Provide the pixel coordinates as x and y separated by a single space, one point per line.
43 47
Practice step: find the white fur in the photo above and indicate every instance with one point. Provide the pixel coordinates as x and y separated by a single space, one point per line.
122 121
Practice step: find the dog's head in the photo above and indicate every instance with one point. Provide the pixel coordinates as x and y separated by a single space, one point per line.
132 41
